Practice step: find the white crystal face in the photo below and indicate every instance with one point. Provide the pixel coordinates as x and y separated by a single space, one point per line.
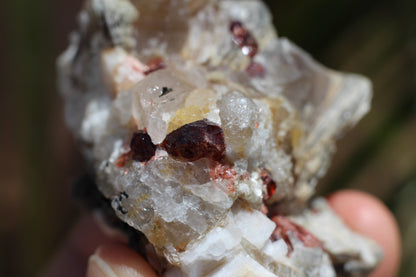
208 134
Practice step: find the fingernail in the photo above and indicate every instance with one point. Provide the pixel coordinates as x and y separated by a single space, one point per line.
97 267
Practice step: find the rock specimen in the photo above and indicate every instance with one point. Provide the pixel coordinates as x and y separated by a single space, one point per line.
208 133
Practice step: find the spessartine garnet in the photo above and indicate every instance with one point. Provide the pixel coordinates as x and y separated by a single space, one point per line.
142 146
244 39
268 181
196 140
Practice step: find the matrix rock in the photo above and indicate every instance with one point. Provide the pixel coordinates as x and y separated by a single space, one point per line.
208 134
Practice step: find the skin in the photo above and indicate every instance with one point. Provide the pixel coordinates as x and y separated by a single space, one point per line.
362 212
367 215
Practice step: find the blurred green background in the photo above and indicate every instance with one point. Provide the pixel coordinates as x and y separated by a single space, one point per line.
39 159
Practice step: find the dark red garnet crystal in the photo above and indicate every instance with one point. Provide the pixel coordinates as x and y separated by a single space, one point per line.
270 184
196 140
255 69
244 39
142 147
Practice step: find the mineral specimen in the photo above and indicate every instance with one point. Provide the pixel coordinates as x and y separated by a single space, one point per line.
207 133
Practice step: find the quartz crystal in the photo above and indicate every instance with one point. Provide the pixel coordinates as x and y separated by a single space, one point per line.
207 133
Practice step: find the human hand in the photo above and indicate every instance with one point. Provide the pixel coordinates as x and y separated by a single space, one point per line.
367 215
361 212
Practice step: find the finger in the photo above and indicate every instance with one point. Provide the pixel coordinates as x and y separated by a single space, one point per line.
368 215
118 260
71 259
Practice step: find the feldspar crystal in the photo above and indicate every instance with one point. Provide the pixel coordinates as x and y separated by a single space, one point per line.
207 133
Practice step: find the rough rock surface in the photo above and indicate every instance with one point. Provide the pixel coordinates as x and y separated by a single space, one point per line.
208 134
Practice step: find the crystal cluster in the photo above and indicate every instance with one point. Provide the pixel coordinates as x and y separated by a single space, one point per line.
208 134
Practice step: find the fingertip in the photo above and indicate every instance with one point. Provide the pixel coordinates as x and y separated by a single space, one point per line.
83 239
71 258
118 260
367 215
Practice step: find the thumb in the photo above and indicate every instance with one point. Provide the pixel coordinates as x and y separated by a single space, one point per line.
117 260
